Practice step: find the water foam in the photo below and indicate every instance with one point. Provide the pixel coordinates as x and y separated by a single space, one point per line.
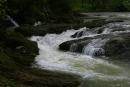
52 59
94 48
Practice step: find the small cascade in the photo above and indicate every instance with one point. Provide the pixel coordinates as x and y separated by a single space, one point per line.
94 48
37 23
12 21
116 28
73 47
82 32
106 29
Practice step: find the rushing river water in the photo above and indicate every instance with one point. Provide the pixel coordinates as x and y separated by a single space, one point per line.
96 72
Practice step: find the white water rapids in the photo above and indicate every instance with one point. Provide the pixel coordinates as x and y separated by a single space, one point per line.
96 72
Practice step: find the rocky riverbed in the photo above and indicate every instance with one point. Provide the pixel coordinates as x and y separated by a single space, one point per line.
25 63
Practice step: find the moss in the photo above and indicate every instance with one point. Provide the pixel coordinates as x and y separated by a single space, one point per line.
4 82
6 61
19 48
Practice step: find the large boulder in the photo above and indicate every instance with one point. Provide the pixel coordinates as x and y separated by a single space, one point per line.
65 46
74 46
16 46
118 47
92 46
115 46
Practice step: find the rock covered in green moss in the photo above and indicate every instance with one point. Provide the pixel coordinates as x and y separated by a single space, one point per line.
19 48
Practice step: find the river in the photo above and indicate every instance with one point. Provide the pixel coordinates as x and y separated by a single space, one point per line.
95 71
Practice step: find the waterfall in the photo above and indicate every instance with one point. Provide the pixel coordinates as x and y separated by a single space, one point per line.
94 48
96 72
83 32
12 21
51 58
73 47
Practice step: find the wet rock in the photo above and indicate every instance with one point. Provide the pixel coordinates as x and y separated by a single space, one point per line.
99 22
114 46
85 31
43 29
109 27
74 45
65 46
99 52
82 46
78 34
118 47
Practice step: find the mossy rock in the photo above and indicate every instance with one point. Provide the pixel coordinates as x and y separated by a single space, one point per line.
23 51
4 82
19 48
6 61
16 39
26 30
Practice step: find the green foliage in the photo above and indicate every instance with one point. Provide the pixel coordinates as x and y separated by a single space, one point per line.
30 11
127 4
4 82
103 5
2 8
6 61
25 11
59 6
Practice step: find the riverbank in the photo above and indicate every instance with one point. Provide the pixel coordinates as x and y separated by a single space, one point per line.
17 55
